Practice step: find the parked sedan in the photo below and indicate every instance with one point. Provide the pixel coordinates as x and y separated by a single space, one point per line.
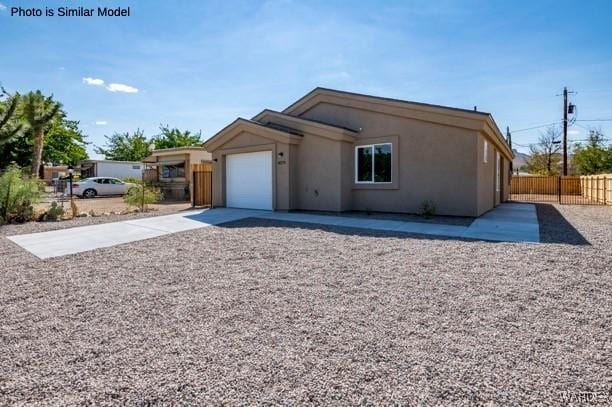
100 186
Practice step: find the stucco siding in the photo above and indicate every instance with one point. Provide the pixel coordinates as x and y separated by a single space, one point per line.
431 161
319 168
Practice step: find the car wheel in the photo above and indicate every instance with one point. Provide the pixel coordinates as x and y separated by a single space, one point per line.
89 193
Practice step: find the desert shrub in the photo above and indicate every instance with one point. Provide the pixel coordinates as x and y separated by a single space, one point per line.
54 212
132 180
134 197
74 209
428 209
18 194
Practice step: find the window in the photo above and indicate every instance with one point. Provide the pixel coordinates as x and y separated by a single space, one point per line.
373 164
135 167
485 158
497 171
173 171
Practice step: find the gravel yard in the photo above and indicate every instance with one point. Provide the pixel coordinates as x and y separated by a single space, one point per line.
270 312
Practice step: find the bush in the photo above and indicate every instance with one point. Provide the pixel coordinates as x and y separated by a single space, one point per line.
18 194
134 196
54 212
132 180
428 209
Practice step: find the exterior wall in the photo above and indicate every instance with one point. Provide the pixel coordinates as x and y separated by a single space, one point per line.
118 170
318 179
429 162
486 176
282 170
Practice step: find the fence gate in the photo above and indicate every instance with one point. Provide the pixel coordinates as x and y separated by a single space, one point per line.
576 190
202 188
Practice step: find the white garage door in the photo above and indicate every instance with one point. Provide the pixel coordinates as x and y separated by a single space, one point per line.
249 180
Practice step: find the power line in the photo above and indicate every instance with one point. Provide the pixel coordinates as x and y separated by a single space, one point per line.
594 120
537 127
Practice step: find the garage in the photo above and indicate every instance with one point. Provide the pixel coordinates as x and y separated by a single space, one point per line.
249 180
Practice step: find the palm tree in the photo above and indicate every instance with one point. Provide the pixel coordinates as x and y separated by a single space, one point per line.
39 111
8 129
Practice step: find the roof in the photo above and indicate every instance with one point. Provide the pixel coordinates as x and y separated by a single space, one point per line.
110 161
445 115
265 112
283 133
175 149
321 89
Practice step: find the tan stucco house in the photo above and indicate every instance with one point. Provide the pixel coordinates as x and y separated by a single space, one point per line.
338 151
170 169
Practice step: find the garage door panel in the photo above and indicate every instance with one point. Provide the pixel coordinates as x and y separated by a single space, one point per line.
249 180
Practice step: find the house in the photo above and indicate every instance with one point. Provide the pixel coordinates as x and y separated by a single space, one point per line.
52 172
171 169
338 151
110 168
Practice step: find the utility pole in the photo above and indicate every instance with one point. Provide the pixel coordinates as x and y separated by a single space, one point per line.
565 131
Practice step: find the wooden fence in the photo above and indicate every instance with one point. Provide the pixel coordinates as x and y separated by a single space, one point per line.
591 189
597 188
201 185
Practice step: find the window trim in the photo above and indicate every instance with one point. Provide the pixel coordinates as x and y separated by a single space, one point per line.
372 146
485 159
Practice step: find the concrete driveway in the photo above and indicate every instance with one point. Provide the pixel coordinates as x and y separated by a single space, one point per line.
506 223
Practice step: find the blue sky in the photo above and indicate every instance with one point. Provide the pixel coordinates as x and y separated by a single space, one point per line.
198 65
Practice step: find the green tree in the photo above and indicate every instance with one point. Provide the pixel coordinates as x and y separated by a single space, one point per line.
125 147
64 144
593 157
10 126
170 138
39 111
545 157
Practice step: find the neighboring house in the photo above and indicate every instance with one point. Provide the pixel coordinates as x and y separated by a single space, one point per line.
110 168
339 151
51 172
172 169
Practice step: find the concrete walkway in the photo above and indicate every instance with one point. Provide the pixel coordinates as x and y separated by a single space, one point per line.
506 223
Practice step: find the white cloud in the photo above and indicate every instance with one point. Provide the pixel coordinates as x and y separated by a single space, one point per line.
101 123
93 81
2 6
119 87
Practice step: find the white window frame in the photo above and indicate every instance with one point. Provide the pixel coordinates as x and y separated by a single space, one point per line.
497 171
485 159
372 146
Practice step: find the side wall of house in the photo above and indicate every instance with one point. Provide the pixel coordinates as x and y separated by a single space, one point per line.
429 162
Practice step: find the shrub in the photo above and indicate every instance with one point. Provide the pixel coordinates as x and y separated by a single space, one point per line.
54 212
428 209
132 180
18 194
134 197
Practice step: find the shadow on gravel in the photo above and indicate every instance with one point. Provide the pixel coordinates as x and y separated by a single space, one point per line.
554 228
342 230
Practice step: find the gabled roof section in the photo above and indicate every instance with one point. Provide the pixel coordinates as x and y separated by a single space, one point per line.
285 135
272 118
445 115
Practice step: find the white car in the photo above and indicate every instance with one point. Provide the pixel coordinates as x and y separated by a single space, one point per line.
99 186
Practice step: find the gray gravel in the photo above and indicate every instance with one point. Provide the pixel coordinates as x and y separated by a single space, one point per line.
270 312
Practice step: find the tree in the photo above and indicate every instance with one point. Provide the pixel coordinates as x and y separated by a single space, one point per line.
125 147
64 144
170 138
544 157
38 112
10 127
593 157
